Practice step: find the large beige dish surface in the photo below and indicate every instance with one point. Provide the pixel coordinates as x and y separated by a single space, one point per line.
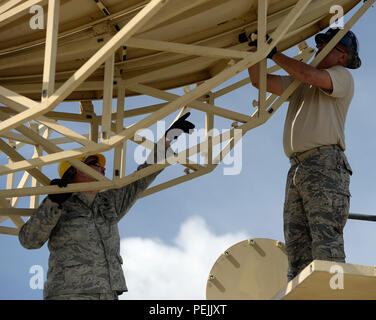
84 29
254 269
108 49
327 280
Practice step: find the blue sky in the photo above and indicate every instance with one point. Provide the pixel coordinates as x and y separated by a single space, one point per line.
174 236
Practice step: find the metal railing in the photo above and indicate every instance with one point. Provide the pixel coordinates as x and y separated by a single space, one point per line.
365 217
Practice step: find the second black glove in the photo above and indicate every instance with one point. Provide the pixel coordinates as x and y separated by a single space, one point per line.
59 198
179 126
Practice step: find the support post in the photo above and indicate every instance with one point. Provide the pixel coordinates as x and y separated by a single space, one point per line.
209 127
120 150
34 200
107 97
51 49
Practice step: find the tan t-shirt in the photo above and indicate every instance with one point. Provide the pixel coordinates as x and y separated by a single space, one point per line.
316 117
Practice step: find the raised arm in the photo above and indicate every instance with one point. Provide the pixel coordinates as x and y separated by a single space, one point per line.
36 231
304 72
273 82
125 197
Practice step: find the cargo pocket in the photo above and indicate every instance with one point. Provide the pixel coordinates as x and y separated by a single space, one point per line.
327 213
340 209
344 172
347 166
338 253
78 275
341 206
344 186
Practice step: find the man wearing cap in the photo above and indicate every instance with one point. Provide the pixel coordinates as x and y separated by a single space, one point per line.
317 195
84 242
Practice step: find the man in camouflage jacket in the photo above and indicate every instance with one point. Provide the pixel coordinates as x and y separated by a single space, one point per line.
82 229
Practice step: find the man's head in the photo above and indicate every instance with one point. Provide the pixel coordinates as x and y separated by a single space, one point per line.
73 175
345 53
95 163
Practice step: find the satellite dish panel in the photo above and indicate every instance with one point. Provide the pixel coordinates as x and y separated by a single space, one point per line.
254 269
86 28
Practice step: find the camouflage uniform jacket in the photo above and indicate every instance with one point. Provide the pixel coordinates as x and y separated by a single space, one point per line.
84 241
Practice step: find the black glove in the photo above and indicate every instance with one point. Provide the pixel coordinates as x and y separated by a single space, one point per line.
254 44
59 198
179 126
272 53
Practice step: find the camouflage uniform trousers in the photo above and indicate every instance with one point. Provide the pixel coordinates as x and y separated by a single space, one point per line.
84 296
316 208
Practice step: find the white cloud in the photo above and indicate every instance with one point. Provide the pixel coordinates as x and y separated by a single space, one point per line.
155 270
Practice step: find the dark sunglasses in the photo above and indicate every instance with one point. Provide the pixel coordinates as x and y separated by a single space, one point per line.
320 44
93 163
